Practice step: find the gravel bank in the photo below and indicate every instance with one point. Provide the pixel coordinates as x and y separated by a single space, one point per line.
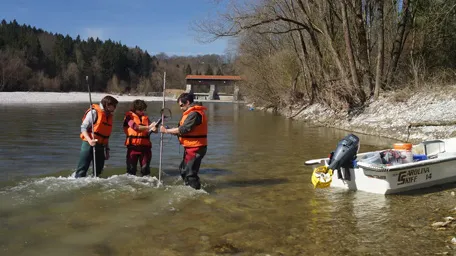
57 97
391 115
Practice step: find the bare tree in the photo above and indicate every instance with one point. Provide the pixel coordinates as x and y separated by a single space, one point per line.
381 49
363 50
348 45
338 45
71 76
14 70
398 41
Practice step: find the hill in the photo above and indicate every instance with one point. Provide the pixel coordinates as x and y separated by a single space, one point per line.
32 59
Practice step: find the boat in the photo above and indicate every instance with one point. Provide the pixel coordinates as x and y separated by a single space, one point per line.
423 165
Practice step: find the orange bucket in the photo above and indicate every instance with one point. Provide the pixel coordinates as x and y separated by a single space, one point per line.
402 146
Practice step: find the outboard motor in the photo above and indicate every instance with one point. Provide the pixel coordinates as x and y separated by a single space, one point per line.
343 156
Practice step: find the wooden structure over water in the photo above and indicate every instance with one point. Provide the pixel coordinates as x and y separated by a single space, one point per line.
214 83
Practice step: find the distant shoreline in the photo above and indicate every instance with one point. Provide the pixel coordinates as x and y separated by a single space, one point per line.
67 97
7 98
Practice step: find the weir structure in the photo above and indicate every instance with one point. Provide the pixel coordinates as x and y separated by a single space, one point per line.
213 87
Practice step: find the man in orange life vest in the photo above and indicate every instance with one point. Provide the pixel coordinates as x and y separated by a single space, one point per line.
192 133
137 127
102 127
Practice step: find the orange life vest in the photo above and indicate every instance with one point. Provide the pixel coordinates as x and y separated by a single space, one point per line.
136 138
102 127
198 135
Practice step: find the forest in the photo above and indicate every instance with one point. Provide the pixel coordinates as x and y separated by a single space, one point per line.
32 59
342 53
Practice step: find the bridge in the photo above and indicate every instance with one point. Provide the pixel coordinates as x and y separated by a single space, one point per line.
212 87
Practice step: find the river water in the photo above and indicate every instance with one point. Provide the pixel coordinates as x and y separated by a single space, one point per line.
257 198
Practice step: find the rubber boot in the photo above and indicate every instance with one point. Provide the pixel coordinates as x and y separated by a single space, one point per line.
193 182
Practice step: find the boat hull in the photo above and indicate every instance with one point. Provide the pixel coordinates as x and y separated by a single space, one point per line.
399 180
381 179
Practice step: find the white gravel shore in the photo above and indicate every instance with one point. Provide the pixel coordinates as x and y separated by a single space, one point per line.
58 97
388 118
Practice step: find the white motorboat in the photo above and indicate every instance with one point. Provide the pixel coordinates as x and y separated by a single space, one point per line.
429 163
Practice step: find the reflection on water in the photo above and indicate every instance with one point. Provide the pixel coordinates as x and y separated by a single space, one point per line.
257 197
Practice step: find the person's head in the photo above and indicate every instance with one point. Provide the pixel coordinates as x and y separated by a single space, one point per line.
109 103
138 107
185 100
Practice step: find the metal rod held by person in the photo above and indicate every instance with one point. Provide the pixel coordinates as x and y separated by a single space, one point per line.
94 162
161 134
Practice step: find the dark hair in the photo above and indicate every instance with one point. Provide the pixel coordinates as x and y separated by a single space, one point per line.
109 101
186 98
138 105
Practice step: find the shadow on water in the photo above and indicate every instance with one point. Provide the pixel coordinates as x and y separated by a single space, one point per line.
215 171
211 185
429 190
244 183
102 249
206 171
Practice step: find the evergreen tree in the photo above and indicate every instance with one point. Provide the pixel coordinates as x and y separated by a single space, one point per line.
146 65
209 71
188 70
34 59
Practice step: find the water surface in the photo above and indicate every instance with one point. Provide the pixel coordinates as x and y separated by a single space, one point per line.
257 198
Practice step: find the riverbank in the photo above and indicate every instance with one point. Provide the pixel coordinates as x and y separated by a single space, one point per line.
426 114
76 97
70 97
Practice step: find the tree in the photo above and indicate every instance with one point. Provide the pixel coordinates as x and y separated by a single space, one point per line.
188 70
146 65
71 78
13 70
381 50
348 45
399 40
209 71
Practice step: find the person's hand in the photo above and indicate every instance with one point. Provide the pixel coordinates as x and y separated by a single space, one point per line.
162 129
152 127
92 142
107 154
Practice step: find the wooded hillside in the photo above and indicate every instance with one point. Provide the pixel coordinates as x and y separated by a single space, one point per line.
37 60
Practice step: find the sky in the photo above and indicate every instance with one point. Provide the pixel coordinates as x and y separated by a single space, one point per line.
153 25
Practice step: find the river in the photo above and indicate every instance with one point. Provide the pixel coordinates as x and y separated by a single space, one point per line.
257 198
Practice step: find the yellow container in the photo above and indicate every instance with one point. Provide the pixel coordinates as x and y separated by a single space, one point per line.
322 177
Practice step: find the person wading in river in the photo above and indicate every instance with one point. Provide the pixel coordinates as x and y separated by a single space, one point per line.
192 134
137 127
101 123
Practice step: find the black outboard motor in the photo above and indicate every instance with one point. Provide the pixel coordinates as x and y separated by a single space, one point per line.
343 156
